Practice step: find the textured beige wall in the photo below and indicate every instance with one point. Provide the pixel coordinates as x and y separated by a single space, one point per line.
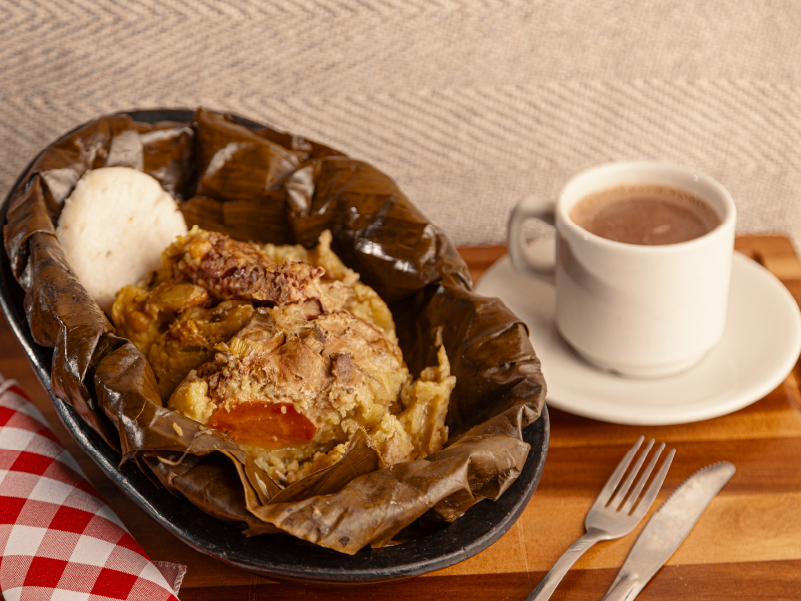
467 104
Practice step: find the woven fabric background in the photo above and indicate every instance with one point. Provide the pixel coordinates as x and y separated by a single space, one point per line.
467 104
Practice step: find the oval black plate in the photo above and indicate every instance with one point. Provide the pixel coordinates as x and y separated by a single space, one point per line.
279 556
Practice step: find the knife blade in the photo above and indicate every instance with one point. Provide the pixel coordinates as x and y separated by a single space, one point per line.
667 528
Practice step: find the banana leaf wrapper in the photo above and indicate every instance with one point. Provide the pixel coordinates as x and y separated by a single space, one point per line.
258 184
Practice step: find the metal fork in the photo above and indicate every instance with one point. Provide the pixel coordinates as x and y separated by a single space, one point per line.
611 516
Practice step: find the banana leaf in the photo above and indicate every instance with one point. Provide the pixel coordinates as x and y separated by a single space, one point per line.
255 183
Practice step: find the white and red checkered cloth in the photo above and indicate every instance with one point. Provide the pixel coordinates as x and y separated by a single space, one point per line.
58 538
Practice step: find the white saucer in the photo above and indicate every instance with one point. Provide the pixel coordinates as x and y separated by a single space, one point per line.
760 346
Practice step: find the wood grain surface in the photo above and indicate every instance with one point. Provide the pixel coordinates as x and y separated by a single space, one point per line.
747 545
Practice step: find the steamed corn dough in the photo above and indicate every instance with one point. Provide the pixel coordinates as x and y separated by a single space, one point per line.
284 350
108 201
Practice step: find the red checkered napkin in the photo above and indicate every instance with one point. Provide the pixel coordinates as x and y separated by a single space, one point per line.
58 538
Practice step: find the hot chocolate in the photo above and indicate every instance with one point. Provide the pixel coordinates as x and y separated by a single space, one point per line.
646 214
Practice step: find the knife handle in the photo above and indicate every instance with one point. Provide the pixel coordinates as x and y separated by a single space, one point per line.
624 589
552 579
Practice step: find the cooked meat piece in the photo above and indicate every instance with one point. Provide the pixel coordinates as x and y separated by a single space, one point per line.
231 269
363 301
286 380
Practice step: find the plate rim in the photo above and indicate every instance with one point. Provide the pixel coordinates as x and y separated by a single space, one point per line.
374 565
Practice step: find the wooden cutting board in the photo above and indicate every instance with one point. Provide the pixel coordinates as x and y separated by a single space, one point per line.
747 545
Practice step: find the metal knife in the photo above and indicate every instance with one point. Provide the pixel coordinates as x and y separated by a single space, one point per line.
667 528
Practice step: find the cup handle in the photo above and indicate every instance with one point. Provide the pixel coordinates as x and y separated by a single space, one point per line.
530 207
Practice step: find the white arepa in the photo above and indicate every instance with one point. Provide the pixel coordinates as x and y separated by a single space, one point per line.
113 228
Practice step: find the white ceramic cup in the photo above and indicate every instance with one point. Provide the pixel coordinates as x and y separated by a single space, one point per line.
640 311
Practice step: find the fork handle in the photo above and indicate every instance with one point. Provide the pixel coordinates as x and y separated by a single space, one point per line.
552 579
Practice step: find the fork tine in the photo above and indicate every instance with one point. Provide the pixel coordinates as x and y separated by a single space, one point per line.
642 480
614 479
624 488
650 494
